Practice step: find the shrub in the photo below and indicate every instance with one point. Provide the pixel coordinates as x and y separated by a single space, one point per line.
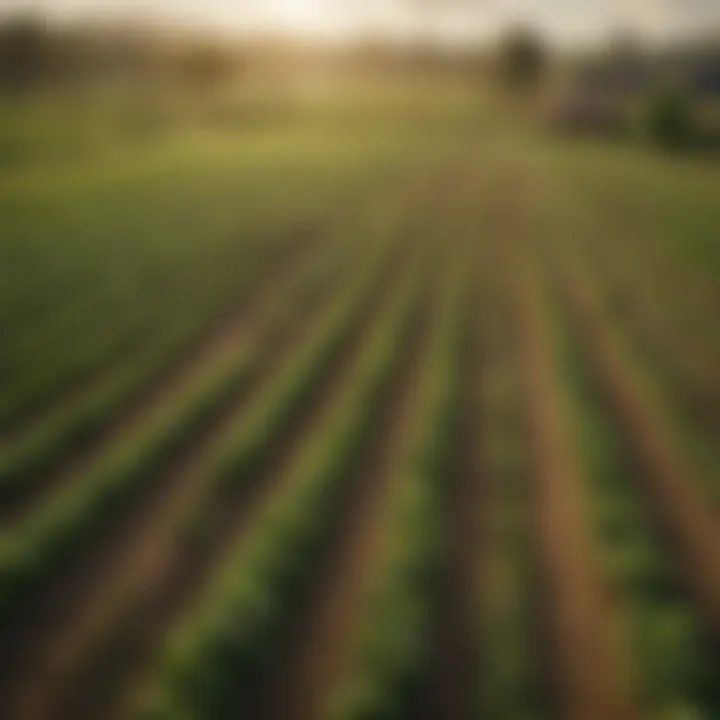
670 121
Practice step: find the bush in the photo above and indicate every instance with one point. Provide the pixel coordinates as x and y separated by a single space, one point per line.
670 121
522 60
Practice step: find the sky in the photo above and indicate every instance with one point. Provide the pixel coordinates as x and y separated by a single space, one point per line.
450 20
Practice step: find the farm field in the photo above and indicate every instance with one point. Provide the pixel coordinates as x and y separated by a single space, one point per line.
375 411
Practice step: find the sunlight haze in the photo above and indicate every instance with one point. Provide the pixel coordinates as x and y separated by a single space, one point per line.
450 20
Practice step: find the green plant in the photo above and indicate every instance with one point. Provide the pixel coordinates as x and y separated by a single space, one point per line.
60 528
395 654
217 659
670 118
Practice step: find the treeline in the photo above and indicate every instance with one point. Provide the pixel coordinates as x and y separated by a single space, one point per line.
35 54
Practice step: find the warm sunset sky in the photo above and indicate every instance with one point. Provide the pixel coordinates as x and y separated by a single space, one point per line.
453 19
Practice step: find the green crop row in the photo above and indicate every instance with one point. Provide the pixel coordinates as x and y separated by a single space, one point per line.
682 381
76 422
104 337
35 452
512 685
63 525
395 650
86 276
667 214
679 381
677 672
25 461
666 303
690 414
251 441
222 654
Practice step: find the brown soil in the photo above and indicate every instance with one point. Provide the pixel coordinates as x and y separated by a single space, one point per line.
673 492
313 664
299 233
452 695
694 374
235 331
165 584
592 680
53 629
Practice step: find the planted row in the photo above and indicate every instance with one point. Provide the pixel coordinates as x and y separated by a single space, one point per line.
674 364
102 278
677 672
394 660
511 685
81 351
63 525
684 389
26 461
222 656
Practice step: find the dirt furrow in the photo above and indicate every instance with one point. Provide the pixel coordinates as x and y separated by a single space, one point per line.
234 331
592 681
690 365
693 380
673 492
114 659
49 636
317 654
286 240
453 695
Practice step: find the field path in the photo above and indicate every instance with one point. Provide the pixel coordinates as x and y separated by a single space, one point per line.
690 364
317 656
55 631
675 495
73 614
233 334
117 658
592 681
453 692
283 242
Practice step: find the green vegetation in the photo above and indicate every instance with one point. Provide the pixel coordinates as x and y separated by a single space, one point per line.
74 422
200 329
62 526
677 672
395 655
512 684
670 119
227 649
660 294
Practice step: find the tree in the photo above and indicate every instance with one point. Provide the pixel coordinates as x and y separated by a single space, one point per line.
25 50
670 121
205 67
522 60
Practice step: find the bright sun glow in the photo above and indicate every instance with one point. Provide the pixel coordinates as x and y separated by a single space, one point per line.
295 13
292 15
448 18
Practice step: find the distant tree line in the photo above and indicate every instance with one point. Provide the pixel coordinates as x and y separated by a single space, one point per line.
523 60
34 55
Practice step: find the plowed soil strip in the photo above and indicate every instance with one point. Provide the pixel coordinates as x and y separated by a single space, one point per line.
285 241
317 654
689 365
669 484
235 330
178 575
453 691
75 603
52 630
512 673
592 683
281 250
